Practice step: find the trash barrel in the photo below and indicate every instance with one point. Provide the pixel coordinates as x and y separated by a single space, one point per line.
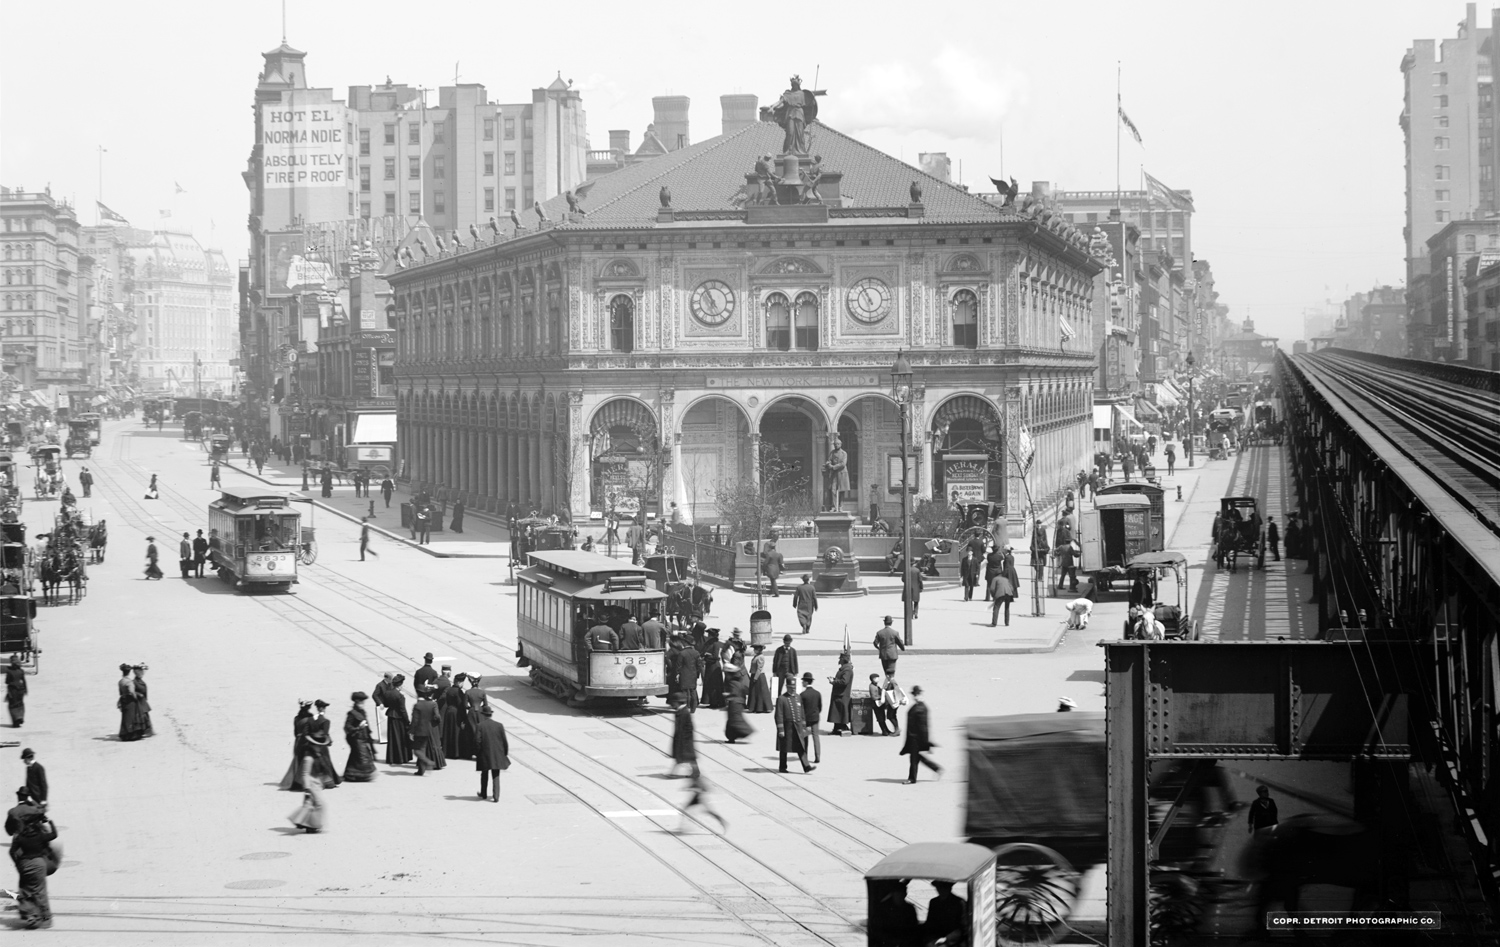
760 628
406 516
862 716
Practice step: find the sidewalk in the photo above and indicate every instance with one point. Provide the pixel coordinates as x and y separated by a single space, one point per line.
482 538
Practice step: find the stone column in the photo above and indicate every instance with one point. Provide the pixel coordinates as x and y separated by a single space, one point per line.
755 457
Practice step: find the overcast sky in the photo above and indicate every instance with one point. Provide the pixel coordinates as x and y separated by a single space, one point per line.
1279 116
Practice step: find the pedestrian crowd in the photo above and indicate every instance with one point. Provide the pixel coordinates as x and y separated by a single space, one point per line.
450 719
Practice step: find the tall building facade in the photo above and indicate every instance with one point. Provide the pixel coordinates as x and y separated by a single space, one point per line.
1448 119
685 312
185 304
381 167
1439 325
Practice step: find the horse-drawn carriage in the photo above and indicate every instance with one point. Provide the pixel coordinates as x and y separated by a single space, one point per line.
17 568
60 568
18 634
218 447
1153 568
47 459
1036 797
688 600
1239 533
10 489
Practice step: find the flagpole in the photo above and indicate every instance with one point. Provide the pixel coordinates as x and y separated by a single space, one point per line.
100 200
1119 111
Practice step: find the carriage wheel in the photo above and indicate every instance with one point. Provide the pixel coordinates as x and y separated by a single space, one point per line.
1036 890
308 553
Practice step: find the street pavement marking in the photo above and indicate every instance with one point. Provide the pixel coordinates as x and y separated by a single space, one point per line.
635 813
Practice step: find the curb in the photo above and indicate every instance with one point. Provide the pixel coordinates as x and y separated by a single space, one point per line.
1030 646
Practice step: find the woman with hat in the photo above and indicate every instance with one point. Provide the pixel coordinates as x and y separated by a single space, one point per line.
15 691
760 685
153 571
713 671
361 765
319 745
291 781
736 689
397 742
309 816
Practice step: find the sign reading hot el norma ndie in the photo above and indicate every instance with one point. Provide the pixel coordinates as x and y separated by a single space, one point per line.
302 146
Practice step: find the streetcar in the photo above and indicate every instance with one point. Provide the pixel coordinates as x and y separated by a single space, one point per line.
255 540
79 443
95 420
560 596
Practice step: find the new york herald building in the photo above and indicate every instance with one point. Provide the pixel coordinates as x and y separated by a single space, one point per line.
747 291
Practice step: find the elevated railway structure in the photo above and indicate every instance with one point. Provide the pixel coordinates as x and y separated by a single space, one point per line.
1394 466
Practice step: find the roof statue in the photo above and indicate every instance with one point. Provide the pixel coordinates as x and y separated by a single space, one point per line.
1007 191
573 207
474 233
810 176
541 212
794 111
515 221
916 192
665 195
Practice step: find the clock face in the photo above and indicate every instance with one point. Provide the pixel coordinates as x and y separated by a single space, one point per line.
713 302
869 300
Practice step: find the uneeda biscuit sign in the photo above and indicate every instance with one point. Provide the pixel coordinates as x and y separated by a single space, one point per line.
302 146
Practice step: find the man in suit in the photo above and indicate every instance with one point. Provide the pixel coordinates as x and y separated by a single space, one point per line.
791 725
601 637
18 814
689 667
968 571
36 778
200 554
425 675
491 751
805 601
426 733
812 712
784 664
992 567
888 645
185 556
772 563
913 588
631 636
918 741
635 538
653 633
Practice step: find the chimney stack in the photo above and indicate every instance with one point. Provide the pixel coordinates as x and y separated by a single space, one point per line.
619 140
672 120
740 111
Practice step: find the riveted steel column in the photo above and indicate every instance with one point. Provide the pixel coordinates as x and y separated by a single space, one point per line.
1126 708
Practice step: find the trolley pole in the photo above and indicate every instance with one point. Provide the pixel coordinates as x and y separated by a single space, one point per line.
901 393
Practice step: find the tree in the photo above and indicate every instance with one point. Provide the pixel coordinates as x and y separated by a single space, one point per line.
750 509
647 461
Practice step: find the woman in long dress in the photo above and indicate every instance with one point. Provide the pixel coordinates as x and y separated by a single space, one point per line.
361 765
454 709
467 714
397 740
142 705
126 705
736 687
292 781
320 746
760 686
713 672
310 816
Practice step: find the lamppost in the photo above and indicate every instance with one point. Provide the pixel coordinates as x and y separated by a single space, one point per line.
901 394
1188 448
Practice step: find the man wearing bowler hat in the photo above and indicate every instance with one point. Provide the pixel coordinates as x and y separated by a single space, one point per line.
36 778
812 712
491 752
784 664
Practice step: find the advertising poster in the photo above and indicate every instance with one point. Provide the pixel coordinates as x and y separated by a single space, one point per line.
289 268
302 146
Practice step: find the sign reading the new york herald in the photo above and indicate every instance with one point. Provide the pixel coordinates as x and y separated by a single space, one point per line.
302 146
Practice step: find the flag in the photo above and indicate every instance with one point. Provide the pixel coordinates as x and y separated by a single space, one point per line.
1067 330
164 213
106 214
183 190
1028 448
1125 119
1160 193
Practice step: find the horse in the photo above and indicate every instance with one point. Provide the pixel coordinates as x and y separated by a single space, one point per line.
687 603
49 571
98 539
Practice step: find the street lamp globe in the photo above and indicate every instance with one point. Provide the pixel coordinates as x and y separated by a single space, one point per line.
901 379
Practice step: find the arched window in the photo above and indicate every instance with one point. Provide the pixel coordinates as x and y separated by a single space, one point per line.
622 324
9 280
778 323
807 322
7 248
966 319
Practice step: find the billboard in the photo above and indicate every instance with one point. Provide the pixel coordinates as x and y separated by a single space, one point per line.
302 146
290 269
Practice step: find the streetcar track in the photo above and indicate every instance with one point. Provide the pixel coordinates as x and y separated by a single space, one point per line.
365 649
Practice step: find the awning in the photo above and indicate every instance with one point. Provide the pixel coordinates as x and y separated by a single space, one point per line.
1102 418
1129 418
1165 397
374 429
1147 408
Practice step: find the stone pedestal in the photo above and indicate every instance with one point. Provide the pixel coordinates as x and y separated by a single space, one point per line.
836 530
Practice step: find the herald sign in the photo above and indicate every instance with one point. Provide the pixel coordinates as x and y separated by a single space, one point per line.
302 146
